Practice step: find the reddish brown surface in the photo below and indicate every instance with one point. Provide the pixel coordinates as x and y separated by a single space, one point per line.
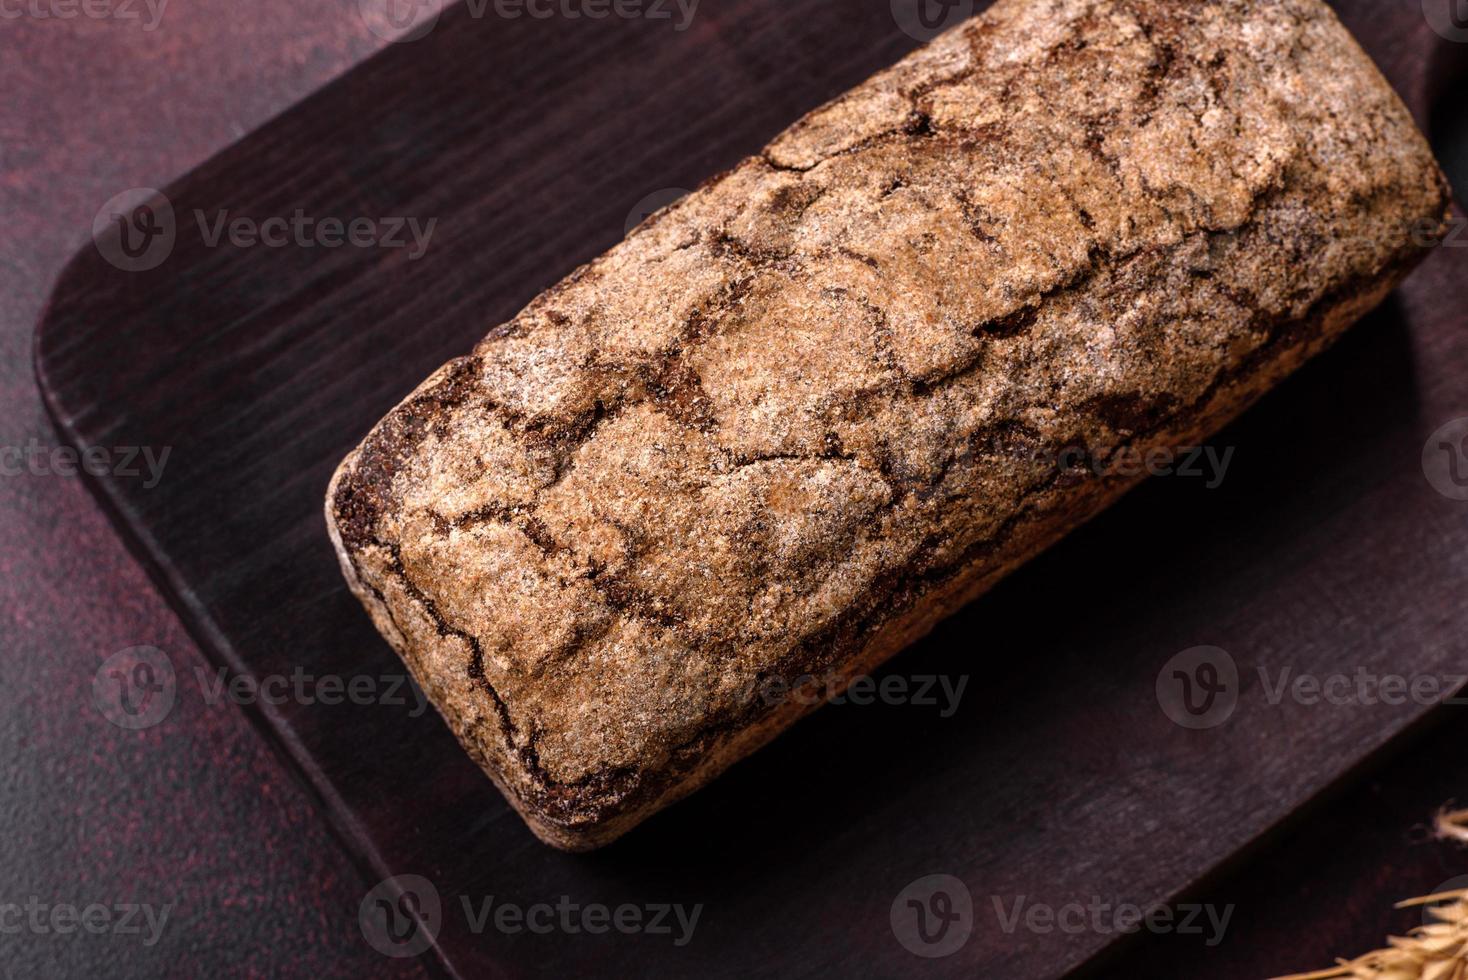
197 811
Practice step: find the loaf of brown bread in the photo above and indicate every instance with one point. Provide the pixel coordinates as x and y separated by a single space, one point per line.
837 392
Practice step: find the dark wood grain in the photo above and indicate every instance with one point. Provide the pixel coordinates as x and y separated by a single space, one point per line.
1059 779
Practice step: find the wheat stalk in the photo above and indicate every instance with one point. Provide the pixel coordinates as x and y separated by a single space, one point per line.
1436 951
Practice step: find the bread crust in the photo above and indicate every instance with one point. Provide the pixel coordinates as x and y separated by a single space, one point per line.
803 414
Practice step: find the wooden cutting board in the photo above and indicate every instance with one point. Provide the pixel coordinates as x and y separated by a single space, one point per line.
1058 781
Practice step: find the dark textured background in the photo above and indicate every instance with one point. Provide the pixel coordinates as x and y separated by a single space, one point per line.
198 811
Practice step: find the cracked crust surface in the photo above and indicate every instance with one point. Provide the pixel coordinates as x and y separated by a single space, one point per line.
802 414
